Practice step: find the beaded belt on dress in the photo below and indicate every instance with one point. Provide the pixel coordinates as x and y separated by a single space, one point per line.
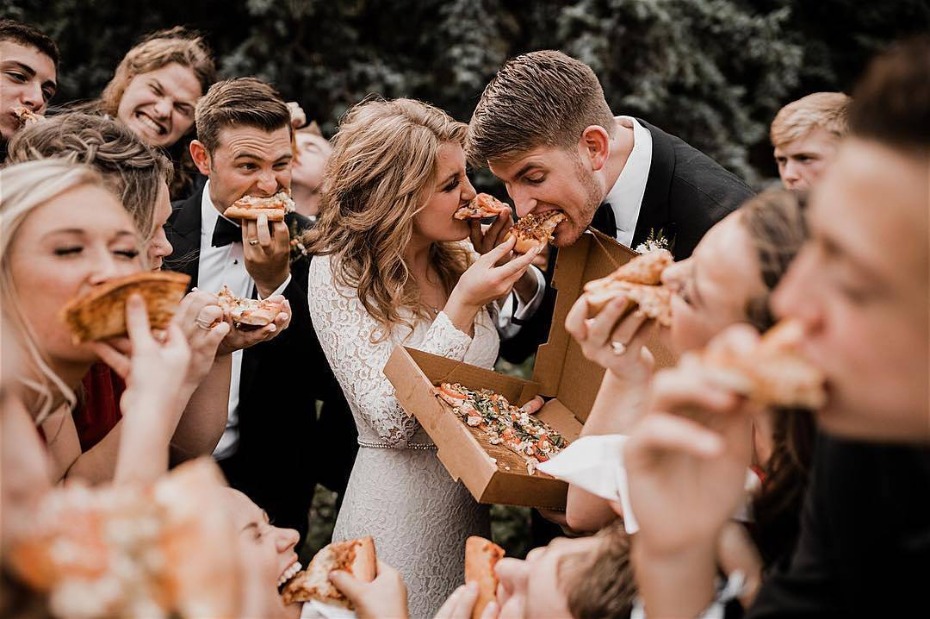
419 446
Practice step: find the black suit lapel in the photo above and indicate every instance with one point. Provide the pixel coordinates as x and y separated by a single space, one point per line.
183 232
654 213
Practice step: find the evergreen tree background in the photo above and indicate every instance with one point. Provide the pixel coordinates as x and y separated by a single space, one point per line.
713 72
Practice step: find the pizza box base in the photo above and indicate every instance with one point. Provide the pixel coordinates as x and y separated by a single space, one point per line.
464 452
561 373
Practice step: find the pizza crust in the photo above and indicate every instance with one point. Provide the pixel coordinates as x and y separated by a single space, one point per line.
640 280
773 373
237 212
100 313
481 555
252 207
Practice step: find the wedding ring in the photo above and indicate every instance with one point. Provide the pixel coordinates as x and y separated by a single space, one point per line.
253 242
618 348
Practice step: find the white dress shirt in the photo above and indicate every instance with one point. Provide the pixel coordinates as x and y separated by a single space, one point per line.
626 196
218 266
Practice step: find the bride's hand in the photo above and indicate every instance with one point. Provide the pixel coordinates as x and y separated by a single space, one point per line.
485 281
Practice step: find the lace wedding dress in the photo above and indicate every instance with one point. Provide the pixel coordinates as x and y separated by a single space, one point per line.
399 492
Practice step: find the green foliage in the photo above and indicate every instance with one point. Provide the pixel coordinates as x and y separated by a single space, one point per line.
711 71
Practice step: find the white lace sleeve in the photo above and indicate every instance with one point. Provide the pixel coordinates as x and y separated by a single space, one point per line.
344 329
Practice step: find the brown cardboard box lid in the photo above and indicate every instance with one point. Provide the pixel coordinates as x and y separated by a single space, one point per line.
561 369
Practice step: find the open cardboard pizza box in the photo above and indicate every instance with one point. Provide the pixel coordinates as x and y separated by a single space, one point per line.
492 473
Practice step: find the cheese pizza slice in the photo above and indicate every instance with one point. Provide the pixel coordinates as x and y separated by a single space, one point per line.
250 207
484 205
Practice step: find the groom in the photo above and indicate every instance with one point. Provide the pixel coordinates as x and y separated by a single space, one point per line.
243 146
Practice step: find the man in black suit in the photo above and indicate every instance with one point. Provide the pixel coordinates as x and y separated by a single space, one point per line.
544 128
244 148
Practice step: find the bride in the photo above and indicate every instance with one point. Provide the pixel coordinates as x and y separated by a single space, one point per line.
391 267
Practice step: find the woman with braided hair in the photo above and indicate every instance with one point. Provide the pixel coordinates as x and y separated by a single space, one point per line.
138 174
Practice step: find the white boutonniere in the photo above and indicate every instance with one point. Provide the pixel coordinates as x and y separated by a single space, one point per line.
655 240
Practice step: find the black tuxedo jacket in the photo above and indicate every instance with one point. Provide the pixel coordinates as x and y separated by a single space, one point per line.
687 192
278 461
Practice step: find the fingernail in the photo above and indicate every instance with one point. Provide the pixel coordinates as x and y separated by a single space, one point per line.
273 328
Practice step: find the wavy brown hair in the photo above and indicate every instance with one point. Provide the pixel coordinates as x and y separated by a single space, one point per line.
133 170
174 45
380 175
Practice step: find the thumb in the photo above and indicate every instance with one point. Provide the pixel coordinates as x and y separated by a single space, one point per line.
348 584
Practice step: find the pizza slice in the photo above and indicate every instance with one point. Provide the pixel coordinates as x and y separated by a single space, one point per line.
773 373
484 205
248 313
481 555
503 423
646 268
100 313
355 556
640 280
27 117
250 207
534 230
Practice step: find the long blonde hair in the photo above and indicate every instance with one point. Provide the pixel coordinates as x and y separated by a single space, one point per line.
380 175
26 187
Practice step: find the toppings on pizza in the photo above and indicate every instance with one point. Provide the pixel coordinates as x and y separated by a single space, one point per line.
773 373
502 423
100 313
355 556
248 313
484 205
640 280
250 207
27 117
481 555
535 230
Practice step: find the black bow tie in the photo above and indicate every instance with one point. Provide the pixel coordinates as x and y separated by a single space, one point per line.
604 220
226 232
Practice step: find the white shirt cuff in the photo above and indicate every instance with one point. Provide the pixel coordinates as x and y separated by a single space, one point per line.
279 289
514 309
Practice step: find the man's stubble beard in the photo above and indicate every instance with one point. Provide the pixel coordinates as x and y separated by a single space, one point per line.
593 198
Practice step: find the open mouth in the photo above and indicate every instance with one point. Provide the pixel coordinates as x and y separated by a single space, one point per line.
288 574
155 127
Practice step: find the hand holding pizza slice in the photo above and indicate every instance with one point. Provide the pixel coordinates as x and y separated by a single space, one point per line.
355 556
249 313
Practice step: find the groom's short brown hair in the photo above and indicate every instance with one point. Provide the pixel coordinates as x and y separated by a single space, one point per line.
538 99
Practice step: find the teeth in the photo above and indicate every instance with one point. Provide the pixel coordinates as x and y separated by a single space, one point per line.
151 124
289 573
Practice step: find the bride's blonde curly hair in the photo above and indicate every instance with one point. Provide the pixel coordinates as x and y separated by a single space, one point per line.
381 174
